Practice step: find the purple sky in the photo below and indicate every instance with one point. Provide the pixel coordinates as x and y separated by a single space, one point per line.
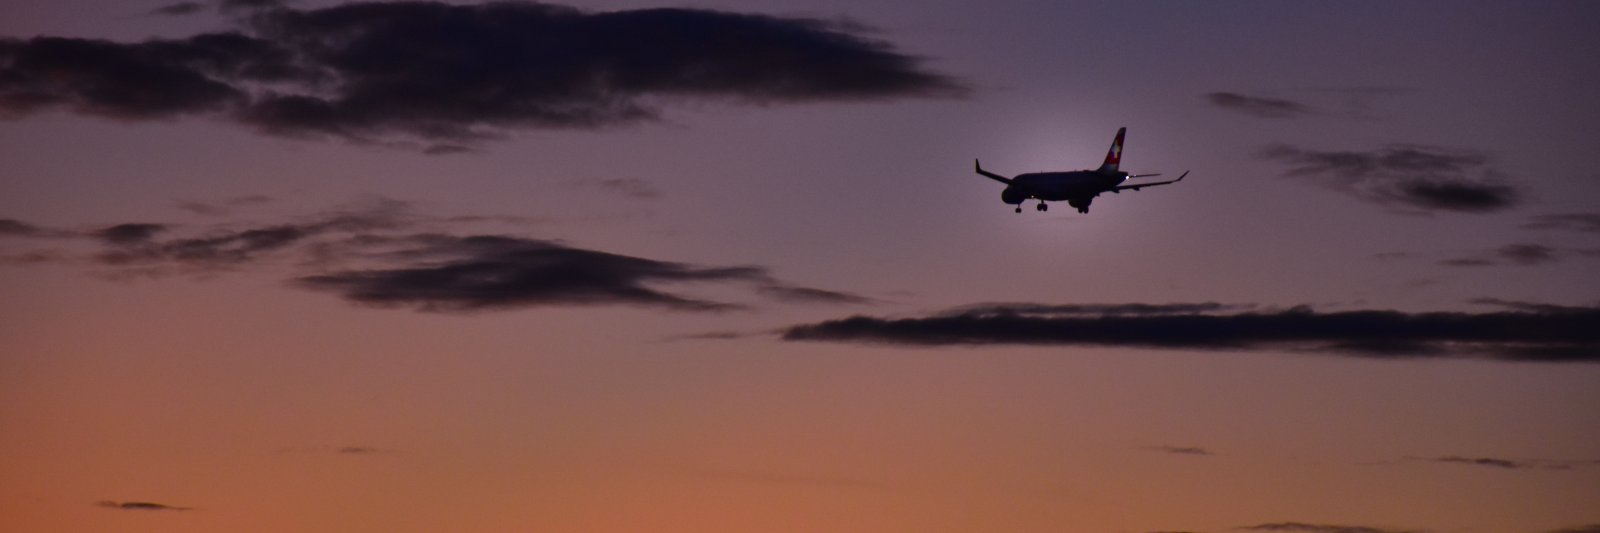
591 268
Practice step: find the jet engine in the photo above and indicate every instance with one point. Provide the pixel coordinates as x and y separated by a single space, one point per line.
1012 196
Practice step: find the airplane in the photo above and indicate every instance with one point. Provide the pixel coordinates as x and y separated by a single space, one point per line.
1078 188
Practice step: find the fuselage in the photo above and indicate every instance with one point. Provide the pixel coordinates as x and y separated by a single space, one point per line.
1079 185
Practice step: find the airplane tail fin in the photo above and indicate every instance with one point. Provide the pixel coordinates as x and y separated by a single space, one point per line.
1114 155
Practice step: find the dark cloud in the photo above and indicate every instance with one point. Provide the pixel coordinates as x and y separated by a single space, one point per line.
1321 528
129 234
141 506
394 72
1258 106
455 274
149 80
1425 178
179 9
1582 222
1517 335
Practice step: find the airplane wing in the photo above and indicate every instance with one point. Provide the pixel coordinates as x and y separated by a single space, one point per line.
991 175
1138 186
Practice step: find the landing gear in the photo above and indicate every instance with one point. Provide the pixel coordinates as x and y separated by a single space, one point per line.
1043 206
1019 209
1081 204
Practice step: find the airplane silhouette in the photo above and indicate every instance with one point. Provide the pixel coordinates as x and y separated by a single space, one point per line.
1078 188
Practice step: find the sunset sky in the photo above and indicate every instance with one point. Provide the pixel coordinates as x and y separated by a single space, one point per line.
602 266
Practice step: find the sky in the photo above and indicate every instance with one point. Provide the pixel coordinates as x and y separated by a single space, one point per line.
724 266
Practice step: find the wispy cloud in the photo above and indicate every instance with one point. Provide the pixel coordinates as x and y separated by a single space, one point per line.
1592 528
18 228
1180 450
444 273
772 478
719 335
1259 106
383 254
135 248
225 207
336 450
1480 461
1119 309
1416 177
1506 464
486 272
1580 222
794 294
448 75
1566 334
629 187
141 506
1527 254
1532 307
1518 254
179 9
1321 528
